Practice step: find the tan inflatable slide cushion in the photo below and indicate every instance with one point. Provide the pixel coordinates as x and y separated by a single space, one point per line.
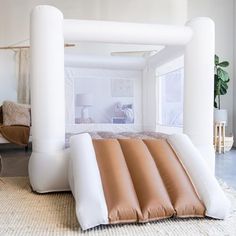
179 187
143 180
121 199
152 195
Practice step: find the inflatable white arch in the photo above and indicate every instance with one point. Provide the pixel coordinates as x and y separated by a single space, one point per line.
48 166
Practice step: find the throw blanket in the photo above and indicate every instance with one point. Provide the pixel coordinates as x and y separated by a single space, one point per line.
139 180
17 134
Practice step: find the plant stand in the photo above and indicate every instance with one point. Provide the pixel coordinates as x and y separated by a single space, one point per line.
219 136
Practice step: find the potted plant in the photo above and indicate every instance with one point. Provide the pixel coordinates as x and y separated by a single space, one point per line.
221 86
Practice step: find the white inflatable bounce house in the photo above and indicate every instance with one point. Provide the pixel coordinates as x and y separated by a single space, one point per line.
48 166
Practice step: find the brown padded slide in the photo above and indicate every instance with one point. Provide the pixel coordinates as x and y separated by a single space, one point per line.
121 199
152 195
143 180
177 182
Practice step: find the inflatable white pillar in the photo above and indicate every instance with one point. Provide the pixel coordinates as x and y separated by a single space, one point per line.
199 87
48 165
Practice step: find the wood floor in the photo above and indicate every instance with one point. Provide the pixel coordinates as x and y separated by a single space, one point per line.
14 160
15 163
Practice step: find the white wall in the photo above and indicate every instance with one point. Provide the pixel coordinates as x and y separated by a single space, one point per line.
8 82
2 22
17 13
234 85
222 12
149 11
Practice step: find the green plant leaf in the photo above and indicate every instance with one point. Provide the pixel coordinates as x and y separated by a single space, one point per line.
223 91
221 80
224 85
216 60
222 74
223 64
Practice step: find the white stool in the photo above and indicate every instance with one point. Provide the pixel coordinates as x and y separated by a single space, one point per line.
219 138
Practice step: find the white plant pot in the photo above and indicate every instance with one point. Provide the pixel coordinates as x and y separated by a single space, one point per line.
220 115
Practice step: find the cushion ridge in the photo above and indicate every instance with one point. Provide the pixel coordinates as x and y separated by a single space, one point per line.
150 190
178 184
121 198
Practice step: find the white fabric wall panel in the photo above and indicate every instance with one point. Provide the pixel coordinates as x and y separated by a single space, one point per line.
69 97
75 77
149 98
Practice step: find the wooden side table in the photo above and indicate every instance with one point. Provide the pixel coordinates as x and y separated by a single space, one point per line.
219 136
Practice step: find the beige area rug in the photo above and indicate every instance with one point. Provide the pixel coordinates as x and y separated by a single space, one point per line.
23 212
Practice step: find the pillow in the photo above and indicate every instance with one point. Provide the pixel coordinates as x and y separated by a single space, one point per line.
15 114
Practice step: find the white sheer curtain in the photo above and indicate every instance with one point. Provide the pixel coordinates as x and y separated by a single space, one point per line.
23 91
69 96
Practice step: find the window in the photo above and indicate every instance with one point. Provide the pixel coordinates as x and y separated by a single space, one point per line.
171 97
